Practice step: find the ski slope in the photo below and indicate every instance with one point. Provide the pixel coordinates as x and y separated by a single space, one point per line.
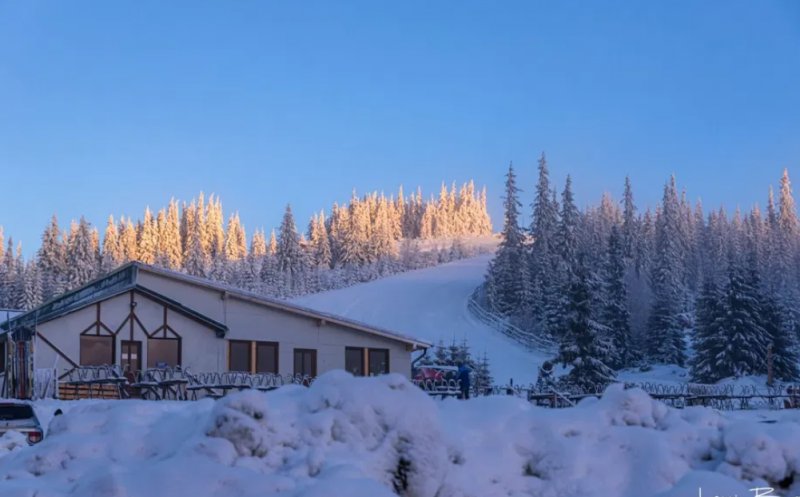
431 304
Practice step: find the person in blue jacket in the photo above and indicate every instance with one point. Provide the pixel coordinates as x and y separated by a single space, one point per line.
463 379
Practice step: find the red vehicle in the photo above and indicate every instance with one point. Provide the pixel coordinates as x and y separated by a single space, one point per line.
435 373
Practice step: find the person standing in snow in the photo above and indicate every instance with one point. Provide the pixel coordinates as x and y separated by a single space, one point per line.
545 381
463 379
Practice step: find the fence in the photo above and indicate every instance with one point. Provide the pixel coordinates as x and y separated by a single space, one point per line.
175 383
527 340
721 397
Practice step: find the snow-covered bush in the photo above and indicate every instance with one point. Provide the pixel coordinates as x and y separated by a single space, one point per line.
379 437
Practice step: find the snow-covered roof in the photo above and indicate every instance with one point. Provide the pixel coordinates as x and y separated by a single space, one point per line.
125 279
284 305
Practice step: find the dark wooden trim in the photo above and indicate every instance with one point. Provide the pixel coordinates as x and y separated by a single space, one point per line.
57 350
131 315
122 325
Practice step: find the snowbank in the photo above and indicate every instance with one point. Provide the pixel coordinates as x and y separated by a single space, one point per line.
374 437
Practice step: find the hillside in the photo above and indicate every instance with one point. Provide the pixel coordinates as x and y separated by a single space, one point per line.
431 304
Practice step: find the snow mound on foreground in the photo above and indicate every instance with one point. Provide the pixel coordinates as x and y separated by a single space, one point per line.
374 437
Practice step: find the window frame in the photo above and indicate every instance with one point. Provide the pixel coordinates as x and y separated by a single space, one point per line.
110 338
313 353
162 339
277 356
362 360
249 345
369 361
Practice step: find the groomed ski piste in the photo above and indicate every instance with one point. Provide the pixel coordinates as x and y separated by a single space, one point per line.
375 437
431 304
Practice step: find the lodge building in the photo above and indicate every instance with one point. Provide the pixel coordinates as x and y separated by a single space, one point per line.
140 316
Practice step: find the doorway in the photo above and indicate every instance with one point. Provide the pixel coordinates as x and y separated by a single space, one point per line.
131 359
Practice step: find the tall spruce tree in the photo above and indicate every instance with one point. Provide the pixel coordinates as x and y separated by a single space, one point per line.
616 316
509 266
292 261
665 326
51 259
583 344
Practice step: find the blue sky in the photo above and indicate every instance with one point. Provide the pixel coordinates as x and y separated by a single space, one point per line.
106 107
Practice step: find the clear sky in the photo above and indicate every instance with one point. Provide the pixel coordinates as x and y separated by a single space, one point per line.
106 107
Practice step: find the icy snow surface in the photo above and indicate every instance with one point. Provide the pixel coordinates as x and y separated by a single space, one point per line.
431 304
375 437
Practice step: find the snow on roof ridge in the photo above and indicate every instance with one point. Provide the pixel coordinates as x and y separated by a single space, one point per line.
207 282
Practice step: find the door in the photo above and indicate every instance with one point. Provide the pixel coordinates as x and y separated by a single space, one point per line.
131 359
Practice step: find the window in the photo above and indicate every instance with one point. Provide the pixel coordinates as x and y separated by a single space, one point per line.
163 352
131 356
305 362
239 356
97 350
378 361
13 412
354 361
266 357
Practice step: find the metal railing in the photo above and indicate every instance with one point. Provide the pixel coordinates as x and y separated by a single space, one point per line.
527 340
174 383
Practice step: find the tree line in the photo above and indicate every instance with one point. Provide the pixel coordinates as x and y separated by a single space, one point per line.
618 288
367 237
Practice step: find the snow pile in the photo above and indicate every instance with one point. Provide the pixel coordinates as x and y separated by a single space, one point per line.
360 437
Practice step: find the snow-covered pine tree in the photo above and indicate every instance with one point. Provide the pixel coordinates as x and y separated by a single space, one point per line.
51 259
665 327
745 352
255 262
81 262
615 310
509 266
195 259
583 344
544 253
29 293
320 242
147 237
292 261
709 340
382 239
170 238
630 228
427 221
9 277
782 340
111 255
128 244
215 239
235 252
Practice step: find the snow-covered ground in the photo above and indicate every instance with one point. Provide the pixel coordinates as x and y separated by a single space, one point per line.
431 304
373 437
